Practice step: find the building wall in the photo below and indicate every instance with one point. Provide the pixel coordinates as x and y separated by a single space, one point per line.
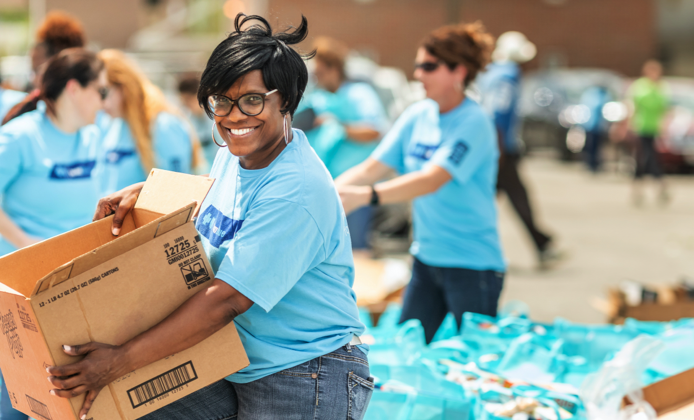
614 34
108 24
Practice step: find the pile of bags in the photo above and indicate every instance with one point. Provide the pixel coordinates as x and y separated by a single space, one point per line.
511 368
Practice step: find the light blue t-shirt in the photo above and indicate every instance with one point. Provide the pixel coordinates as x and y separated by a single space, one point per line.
8 99
279 236
352 103
455 226
48 179
171 142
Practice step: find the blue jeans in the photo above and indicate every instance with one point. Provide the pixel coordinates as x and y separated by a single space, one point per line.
359 223
435 291
6 410
334 386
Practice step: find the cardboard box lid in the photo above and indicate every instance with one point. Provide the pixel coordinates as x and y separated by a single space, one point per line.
671 393
164 192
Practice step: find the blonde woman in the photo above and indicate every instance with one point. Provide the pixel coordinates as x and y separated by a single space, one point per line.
140 131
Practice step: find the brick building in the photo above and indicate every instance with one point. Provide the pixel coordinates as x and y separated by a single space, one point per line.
614 34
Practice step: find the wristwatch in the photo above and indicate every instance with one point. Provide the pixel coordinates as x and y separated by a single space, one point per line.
374 197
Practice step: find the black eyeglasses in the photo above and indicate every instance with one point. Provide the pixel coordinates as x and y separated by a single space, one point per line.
427 66
250 104
103 92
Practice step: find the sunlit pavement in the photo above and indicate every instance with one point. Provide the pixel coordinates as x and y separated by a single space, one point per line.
607 239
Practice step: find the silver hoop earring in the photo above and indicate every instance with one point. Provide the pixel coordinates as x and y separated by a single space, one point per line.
214 123
286 130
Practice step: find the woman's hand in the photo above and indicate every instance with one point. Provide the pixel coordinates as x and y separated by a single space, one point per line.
101 365
119 204
354 196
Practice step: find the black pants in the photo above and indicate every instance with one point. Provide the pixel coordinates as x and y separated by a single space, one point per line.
647 160
509 181
433 292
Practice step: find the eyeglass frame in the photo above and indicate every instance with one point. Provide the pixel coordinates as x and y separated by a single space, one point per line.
235 102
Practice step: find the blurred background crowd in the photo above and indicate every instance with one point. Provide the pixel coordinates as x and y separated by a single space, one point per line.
591 95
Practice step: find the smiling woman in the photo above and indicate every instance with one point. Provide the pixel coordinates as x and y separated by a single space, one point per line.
277 238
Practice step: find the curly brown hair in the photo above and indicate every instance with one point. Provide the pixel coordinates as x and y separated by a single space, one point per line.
468 44
60 31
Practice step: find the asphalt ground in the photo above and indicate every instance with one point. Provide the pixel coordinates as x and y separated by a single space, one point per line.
606 238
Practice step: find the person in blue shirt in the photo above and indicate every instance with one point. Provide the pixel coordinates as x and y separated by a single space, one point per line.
445 149
8 99
594 99
350 121
276 234
500 88
141 131
188 94
48 159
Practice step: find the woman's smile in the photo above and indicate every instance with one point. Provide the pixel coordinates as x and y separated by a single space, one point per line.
238 133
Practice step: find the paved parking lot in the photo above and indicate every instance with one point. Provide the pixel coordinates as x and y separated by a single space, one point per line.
606 239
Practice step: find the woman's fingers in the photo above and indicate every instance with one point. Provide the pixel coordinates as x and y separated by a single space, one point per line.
121 211
69 393
81 349
66 370
105 207
66 383
88 401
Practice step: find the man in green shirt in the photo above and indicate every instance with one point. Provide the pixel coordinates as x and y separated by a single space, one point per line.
650 103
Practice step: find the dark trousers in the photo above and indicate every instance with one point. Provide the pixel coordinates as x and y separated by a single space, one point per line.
647 160
509 181
591 150
433 292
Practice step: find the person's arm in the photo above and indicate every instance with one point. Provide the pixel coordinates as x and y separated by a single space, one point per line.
218 305
366 173
396 190
13 233
361 133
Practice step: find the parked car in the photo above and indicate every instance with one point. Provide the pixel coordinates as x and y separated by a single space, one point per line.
550 107
676 142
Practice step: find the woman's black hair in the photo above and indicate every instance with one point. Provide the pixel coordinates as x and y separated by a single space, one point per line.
70 64
257 48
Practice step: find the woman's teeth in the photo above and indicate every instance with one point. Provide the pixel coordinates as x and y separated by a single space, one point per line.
241 131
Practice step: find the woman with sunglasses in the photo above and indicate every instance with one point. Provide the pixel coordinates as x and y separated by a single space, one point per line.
445 147
276 235
141 131
48 160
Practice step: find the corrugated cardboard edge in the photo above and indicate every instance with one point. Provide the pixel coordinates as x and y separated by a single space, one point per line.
42 285
672 393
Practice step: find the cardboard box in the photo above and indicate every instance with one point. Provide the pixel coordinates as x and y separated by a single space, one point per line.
672 398
87 285
668 306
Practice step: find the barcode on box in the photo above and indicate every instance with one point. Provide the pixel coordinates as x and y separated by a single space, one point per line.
38 408
162 384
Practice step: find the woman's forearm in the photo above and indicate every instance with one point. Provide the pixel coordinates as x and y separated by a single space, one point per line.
366 173
362 133
218 305
13 233
412 185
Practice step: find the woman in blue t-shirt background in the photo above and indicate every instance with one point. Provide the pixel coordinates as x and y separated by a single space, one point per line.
445 147
140 129
48 159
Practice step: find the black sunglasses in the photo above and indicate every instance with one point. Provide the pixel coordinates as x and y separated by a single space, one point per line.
103 92
250 104
428 66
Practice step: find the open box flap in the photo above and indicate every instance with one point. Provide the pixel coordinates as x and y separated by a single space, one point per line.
112 249
167 191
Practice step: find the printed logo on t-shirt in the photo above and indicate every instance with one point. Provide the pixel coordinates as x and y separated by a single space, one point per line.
115 156
459 151
176 165
216 227
423 151
76 170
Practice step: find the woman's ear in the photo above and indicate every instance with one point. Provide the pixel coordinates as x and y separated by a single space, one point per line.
461 74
